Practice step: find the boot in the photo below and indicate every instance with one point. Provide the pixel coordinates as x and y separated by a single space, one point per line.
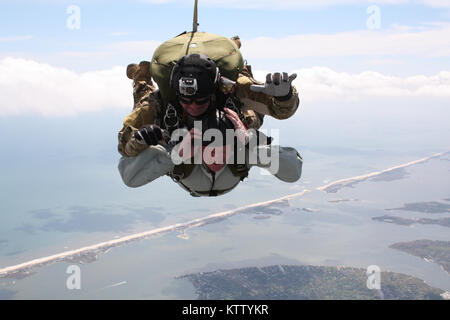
140 72
237 40
131 70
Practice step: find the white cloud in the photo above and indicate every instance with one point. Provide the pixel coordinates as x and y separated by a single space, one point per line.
437 3
401 47
400 41
385 62
29 87
143 47
15 38
320 84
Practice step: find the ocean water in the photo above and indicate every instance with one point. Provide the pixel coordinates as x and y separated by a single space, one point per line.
61 191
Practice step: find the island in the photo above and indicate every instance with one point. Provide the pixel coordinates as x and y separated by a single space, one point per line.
302 282
444 222
433 251
425 207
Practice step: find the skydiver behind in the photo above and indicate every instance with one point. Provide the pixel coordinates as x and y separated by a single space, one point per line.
201 92
253 99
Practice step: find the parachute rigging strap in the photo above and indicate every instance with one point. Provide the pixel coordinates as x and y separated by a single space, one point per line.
195 24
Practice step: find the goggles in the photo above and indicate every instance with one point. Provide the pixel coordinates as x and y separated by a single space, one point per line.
199 101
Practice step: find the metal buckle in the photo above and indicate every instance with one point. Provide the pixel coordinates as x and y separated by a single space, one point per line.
176 177
229 103
171 113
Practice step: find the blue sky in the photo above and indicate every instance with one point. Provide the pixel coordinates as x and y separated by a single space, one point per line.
46 19
37 29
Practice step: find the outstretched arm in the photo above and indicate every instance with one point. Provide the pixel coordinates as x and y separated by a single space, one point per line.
285 163
149 165
276 97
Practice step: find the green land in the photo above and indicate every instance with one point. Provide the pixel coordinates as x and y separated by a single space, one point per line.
443 222
425 207
436 251
306 283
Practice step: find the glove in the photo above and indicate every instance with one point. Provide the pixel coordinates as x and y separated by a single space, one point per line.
277 85
149 134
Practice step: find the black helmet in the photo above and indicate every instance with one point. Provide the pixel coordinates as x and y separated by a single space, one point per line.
195 76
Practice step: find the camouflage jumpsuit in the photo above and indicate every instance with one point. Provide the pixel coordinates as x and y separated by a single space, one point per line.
148 108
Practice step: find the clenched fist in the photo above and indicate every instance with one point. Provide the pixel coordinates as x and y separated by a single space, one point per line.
149 134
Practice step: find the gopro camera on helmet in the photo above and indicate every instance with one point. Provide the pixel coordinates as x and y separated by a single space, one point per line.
195 75
188 86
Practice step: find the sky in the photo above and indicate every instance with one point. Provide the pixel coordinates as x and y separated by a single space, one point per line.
77 51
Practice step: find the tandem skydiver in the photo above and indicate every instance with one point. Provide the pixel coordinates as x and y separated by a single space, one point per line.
203 95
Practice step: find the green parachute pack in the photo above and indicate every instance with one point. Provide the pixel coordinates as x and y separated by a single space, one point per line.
224 51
